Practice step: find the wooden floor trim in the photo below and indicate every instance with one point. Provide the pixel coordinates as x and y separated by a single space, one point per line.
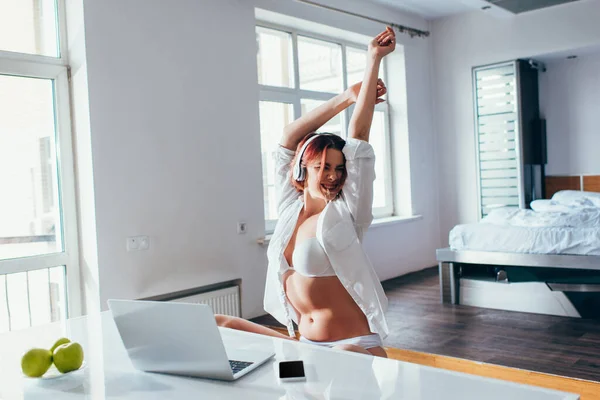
587 390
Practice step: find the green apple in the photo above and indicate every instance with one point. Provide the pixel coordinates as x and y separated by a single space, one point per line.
36 362
68 357
60 341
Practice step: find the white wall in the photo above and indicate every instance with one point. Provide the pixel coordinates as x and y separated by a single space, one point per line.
173 108
570 101
88 249
461 42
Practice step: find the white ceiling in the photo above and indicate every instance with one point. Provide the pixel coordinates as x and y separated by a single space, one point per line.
582 52
432 9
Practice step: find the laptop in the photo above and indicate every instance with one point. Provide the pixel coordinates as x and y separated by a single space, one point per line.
180 339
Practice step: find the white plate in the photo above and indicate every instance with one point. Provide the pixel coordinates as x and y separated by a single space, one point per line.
53 373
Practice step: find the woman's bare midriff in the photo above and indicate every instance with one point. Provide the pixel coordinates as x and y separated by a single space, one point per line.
326 311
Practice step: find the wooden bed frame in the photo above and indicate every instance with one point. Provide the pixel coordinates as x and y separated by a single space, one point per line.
587 183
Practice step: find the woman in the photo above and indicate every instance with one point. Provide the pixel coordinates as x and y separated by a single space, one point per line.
319 275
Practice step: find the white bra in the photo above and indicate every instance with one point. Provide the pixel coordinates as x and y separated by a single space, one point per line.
309 259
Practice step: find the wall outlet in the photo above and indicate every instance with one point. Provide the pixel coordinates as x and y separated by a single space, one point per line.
144 242
136 243
241 228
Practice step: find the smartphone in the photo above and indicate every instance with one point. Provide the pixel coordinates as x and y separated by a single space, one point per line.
291 371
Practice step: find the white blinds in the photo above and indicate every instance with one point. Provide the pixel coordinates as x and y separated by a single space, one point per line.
496 121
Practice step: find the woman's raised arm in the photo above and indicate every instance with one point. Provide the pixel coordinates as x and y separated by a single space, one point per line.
360 123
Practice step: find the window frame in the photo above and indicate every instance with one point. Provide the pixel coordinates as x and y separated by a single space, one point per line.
294 96
55 69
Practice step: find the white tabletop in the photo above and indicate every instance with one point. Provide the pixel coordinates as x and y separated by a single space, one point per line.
331 374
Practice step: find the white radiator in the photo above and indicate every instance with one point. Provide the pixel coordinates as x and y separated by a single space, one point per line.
222 301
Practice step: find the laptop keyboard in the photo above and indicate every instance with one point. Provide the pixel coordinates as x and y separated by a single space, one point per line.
237 366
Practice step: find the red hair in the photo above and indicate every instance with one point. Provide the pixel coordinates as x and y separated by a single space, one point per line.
317 150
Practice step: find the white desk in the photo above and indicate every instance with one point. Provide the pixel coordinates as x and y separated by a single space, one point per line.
331 374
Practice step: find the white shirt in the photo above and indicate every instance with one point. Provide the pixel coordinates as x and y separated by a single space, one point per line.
340 229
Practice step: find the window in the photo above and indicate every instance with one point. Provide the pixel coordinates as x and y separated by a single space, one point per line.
39 278
297 72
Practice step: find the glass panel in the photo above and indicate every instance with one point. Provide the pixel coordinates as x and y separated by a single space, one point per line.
486 165
500 201
320 65
496 91
502 191
275 58
499 173
29 205
495 72
503 144
273 118
356 61
498 183
4 318
377 140
18 304
29 27
32 298
58 293
498 155
334 125
39 296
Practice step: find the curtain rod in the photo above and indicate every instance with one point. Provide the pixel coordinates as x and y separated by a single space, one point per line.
412 32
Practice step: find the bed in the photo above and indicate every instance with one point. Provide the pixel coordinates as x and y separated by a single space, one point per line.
560 233
569 223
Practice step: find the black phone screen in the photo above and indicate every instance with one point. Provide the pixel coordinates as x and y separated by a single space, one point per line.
291 369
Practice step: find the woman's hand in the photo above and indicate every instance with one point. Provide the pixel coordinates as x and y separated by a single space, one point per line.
370 90
383 44
355 89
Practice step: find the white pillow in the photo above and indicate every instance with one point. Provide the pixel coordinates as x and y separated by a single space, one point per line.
542 205
576 197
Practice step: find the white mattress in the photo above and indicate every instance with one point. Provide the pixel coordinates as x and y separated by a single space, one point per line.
567 224
521 239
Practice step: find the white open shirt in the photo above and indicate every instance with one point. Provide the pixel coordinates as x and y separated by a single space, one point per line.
340 230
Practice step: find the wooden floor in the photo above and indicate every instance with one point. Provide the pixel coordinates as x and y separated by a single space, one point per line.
552 345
